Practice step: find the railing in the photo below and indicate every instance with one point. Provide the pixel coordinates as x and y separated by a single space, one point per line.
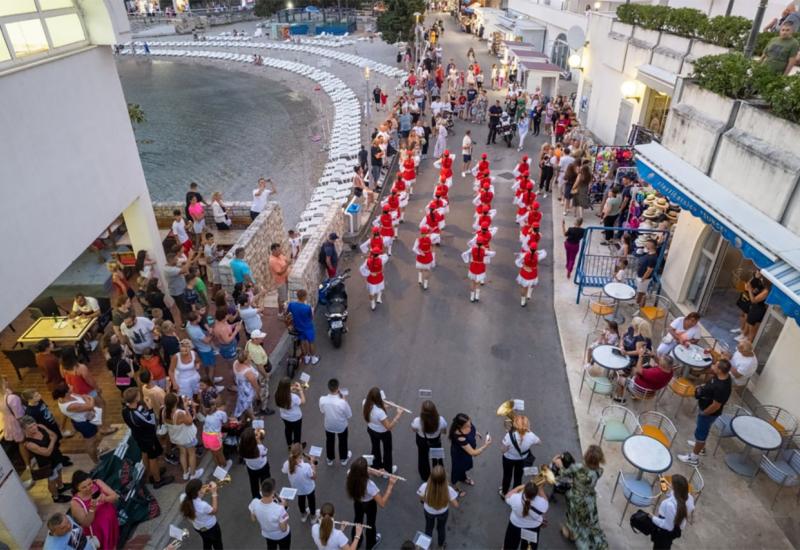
363 232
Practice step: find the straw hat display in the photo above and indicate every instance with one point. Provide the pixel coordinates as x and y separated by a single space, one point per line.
652 213
661 203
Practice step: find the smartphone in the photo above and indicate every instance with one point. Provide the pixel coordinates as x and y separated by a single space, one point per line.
616 352
96 494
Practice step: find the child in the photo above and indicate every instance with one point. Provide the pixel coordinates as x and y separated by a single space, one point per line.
208 395
212 433
151 362
190 294
295 243
142 423
620 270
610 337
199 286
211 255
40 412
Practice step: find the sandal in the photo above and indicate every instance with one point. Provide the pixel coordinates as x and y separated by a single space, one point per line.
469 482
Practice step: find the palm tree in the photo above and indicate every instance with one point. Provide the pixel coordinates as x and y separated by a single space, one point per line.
135 113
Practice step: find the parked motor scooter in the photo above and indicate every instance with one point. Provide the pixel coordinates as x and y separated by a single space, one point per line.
333 295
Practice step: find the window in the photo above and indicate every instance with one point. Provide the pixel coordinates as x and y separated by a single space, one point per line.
560 52
27 37
30 29
65 29
15 7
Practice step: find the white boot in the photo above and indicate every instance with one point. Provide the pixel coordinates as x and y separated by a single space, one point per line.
530 292
419 277
380 298
477 294
372 305
472 296
425 284
522 301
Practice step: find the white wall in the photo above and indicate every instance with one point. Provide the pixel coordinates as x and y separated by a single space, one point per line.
683 253
556 21
68 166
778 382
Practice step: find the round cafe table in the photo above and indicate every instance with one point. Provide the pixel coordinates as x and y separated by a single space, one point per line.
755 433
691 356
606 356
646 454
619 292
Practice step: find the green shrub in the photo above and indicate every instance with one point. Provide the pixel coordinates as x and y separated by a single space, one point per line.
653 17
687 22
728 74
626 13
729 32
782 94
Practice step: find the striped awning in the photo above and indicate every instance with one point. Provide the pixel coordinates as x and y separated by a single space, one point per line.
787 279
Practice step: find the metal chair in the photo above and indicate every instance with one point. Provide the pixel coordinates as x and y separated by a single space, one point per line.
45 307
20 359
682 388
785 472
636 491
696 486
656 425
600 305
722 425
618 423
600 385
640 394
780 419
657 313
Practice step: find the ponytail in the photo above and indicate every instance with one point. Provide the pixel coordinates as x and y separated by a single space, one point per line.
192 491
528 495
680 490
295 457
326 523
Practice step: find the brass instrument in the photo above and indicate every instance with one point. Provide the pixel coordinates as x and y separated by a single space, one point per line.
545 475
176 542
506 409
297 387
375 472
396 406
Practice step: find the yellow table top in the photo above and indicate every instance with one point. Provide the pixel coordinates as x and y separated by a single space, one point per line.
57 329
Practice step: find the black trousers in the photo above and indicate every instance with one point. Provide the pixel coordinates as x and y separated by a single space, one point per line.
609 221
513 538
256 477
282 544
492 135
292 431
383 459
312 502
511 468
424 463
370 510
441 525
536 126
212 538
330 440
546 180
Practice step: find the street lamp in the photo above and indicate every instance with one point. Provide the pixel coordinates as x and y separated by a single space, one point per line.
574 62
629 90
366 95
417 45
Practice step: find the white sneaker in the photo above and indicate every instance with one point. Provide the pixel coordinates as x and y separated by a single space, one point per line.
67 433
306 359
304 517
378 538
27 483
346 460
186 476
741 338
329 461
690 458
219 389
463 174
218 379
197 473
314 359
735 330
228 464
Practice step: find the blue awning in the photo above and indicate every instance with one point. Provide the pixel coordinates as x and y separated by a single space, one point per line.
771 246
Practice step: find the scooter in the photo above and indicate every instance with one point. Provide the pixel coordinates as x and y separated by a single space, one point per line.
333 295
506 130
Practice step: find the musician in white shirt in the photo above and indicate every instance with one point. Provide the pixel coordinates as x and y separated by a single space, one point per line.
270 512
336 411
515 451
528 504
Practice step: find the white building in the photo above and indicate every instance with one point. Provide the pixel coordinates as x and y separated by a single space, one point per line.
69 165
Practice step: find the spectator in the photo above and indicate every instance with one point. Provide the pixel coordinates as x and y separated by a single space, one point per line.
152 395
180 232
651 378
97 514
682 331
151 362
79 409
330 255
302 316
36 408
47 362
279 270
240 268
154 299
780 54
85 306
295 243
711 398
197 216
221 218
176 283
743 365
572 242
192 193
139 332
261 196
611 209
64 534
142 422
666 526
170 345
42 444
121 368
201 342
645 270
582 524
81 382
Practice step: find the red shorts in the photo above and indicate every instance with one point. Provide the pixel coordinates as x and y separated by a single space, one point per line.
187 246
331 271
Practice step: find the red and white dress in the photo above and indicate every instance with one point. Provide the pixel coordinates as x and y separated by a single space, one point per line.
528 264
532 240
409 171
440 206
441 190
372 270
477 257
524 166
386 223
484 196
484 236
435 221
530 216
423 248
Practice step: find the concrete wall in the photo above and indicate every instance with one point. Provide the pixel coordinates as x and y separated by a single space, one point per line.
778 382
266 229
552 15
68 151
307 273
684 251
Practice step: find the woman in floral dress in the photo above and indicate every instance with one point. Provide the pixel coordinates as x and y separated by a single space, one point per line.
582 525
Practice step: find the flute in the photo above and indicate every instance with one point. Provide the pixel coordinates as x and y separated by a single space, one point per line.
375 472
350 524
396 406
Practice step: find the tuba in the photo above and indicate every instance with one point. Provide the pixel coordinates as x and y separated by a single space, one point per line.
506 409
545 475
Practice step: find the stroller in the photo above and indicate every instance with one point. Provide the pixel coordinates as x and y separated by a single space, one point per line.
447 116
596 192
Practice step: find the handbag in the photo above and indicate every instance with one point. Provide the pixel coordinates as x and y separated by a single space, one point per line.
641 522
91 537
743 302
527 457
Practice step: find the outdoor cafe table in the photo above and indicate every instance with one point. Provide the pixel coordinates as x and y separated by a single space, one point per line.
647 455
755 433
605 356
619 292
59 330
691 356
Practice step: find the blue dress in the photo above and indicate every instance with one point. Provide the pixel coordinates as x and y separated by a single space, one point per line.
462 461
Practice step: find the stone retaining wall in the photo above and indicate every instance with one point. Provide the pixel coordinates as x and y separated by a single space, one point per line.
306 273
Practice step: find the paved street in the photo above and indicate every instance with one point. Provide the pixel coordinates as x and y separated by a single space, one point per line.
472 356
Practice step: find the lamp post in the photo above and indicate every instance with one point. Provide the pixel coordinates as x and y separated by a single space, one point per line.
417 53
367 112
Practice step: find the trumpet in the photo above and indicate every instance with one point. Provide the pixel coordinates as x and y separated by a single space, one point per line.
545 475
506 409
297 387
375 472
350 524
396 406
176 543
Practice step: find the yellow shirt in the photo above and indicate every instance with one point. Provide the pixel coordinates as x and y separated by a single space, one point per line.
257 354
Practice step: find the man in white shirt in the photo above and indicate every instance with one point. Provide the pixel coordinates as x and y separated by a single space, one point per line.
271 516
683 331
466 153
261 196
743 364
179 230
139 332
336 411
85 306
563 164
436 106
